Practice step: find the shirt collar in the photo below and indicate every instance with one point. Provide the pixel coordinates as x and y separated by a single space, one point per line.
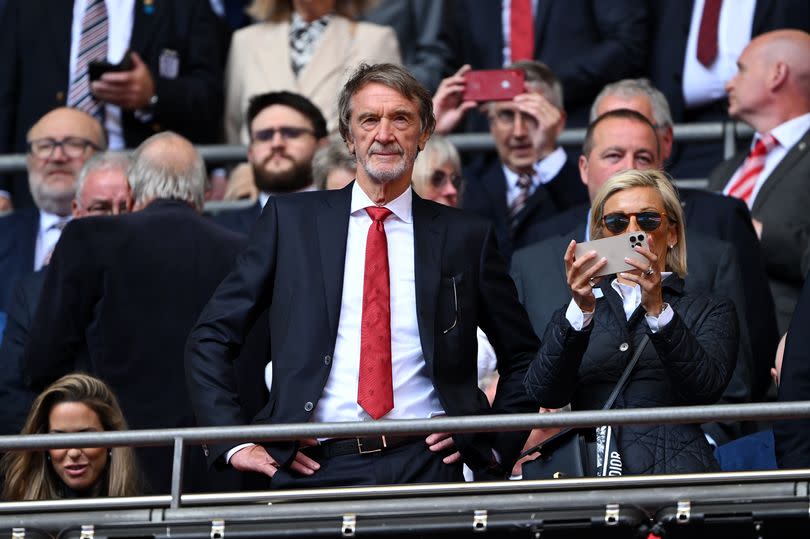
789 132
47 220
543 171
401 207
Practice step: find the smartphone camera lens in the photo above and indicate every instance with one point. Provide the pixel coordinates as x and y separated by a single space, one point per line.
632 239
641 237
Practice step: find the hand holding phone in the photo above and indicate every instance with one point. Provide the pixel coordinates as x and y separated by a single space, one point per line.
615 249
96 68
493 84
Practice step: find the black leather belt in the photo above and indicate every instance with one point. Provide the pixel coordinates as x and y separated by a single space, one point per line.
358 446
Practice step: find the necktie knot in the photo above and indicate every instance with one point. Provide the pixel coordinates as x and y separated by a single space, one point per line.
524 181
377 213
764 145
59 225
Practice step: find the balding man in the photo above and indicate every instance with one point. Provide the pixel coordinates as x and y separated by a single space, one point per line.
58 145
771 93
129 288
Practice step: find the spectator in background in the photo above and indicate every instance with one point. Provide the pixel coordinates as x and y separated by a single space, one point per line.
533 179
418 24
586 43
771 93
711 214
175 81
285 131
101 189
58 145
74 403
333 166
303 47
694 50
152 270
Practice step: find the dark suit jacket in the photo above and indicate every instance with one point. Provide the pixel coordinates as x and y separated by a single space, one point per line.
670 21
293 267
15 398
587 43
485 195
781 205
539 274
18 241
35 45
130 288
793 437
241 220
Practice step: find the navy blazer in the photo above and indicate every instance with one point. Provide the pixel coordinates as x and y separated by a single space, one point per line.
18 241
293 267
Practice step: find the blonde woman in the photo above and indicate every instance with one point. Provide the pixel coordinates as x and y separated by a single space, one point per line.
74 403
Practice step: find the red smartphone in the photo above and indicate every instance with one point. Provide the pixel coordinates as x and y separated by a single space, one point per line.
493 84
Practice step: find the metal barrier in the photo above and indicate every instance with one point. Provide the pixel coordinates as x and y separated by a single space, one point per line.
728 132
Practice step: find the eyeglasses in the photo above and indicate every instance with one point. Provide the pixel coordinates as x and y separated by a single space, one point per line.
439 179
647 221
287 133
72 147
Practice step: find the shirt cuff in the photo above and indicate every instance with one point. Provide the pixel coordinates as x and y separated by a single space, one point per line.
235 450
578 318
657 322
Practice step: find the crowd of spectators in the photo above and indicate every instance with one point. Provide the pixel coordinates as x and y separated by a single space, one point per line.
109 265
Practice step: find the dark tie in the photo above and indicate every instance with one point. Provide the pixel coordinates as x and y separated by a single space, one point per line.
92 46
743 186
521 30
707 35
524 183
375 389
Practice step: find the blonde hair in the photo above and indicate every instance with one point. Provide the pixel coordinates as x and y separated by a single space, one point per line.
655 179
282 10
438 151
29 474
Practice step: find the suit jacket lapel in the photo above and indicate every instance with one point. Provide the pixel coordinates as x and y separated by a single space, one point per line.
540 22
428 239
333 230
272 53
60 21
144 25
330 53
782 170
537 199
719 179
28 238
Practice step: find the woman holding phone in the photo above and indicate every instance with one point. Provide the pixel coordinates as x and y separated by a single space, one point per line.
690 355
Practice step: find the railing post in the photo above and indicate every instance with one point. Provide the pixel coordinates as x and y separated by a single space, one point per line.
729 139
177 472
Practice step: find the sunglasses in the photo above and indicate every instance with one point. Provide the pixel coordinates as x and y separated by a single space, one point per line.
439 178
287 133
647 221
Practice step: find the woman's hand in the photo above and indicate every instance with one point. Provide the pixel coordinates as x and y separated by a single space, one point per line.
580 276
648 278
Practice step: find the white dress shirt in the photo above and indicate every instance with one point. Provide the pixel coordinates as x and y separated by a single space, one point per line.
50 228
120 16
701 84
544 171
788 134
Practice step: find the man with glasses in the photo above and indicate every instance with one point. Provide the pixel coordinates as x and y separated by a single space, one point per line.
285 131
532 180
58 145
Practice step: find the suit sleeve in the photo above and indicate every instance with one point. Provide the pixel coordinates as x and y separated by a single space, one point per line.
72 288
792 437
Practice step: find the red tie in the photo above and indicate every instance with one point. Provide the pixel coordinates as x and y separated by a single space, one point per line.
521 30
375 389
707 35
744 185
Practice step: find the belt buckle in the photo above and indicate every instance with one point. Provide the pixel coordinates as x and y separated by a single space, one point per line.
365 451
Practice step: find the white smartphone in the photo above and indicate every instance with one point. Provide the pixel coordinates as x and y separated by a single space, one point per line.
615 249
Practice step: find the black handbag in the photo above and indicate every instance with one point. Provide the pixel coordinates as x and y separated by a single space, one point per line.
572 451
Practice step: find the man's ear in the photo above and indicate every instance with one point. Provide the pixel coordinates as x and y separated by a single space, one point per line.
583 169
74 207
778 76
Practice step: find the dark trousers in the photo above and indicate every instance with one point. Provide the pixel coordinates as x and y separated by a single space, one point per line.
409 463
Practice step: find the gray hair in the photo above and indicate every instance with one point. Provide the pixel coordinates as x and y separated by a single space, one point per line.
629 88
335 155
167 165
101 161
437 152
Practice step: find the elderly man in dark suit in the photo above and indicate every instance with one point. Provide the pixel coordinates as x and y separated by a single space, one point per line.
174 80
374 297
128 289
771 93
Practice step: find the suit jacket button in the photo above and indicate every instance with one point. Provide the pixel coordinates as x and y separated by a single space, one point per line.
327 359
308 407
60 97
624 346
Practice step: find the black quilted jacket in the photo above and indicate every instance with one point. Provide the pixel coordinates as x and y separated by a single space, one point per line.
688 362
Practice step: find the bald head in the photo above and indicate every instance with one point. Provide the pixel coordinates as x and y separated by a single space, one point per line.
59 144
167 165
772 84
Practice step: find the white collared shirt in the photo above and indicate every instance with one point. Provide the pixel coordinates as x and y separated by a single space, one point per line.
414 394
47 235
701 84
543 172
120 16
788 134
